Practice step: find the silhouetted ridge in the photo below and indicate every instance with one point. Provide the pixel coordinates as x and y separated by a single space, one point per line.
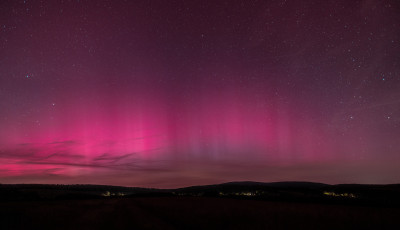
292 191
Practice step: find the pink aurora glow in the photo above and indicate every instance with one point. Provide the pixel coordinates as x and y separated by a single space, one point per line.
162 93
127 135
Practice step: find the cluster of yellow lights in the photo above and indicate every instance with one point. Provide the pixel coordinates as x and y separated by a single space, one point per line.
238 194
351 195
108 193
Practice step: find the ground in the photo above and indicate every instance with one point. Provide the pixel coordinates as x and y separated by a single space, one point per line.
191 213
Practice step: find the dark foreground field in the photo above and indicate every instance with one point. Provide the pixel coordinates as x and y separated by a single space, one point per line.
191 213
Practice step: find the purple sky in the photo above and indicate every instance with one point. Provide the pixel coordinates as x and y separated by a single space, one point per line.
159 93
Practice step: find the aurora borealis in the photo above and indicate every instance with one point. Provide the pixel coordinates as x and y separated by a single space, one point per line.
175 93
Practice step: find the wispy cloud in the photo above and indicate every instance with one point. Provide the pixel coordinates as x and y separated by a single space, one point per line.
62 157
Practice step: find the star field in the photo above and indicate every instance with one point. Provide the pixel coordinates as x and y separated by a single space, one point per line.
177 93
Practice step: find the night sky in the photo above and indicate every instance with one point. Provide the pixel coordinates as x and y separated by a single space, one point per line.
166 94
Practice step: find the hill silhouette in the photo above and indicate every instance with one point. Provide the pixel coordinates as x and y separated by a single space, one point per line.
233 205
384 195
